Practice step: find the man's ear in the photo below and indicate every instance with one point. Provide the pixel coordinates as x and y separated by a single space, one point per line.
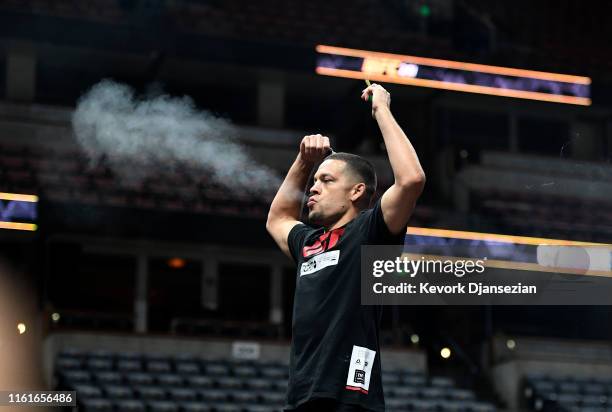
358 192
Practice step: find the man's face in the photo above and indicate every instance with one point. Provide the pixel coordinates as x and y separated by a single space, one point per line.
330 195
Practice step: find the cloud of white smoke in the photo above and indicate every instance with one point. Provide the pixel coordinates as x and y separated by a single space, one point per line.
141 137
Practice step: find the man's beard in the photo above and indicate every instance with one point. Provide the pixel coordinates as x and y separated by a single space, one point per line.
315 217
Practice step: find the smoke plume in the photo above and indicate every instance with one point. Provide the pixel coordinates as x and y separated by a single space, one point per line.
140 137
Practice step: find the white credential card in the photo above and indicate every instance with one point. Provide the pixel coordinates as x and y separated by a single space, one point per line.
360 368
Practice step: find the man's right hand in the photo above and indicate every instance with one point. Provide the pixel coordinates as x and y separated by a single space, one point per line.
314 148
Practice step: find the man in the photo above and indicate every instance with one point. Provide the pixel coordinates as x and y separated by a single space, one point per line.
335 356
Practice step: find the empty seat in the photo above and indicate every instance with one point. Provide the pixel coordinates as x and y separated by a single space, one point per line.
568 398
139 378
214 395
96 405
68 362
274 372
75 376
482 407
260 408
128 355
594 388
183 394
99 364
404 392
229 383
130 405
423 405
246 397
396 404
108 377
118 392
389 389
589 409
187 368
390 378
280 384
163 406
453 406
406 371
158 366
195 407
260 384
432 393
569 387
245 371
150 392
199 381
593 400
226 407
460 394
442 382
88 391
216 370
272 398
129 365
413 380
169 380
541 386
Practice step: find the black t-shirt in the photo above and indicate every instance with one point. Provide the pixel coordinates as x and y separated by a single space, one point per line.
335 344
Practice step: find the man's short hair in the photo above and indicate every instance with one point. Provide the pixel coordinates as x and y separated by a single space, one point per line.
362 169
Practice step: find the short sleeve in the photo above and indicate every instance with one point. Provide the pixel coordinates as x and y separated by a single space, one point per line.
295 239
375 229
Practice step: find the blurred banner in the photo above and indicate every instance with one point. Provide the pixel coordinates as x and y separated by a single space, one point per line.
453 75
18 211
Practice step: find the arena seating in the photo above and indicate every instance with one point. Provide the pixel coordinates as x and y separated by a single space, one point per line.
298 23
530 195
543 28
365 24
545 215
129 381
66 176
553 393
98 10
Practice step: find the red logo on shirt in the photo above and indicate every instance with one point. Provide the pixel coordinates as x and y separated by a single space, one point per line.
325 242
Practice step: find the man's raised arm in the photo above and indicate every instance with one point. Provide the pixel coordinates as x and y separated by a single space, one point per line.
285 209
398 201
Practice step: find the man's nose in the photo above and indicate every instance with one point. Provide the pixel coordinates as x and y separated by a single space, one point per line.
314 190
